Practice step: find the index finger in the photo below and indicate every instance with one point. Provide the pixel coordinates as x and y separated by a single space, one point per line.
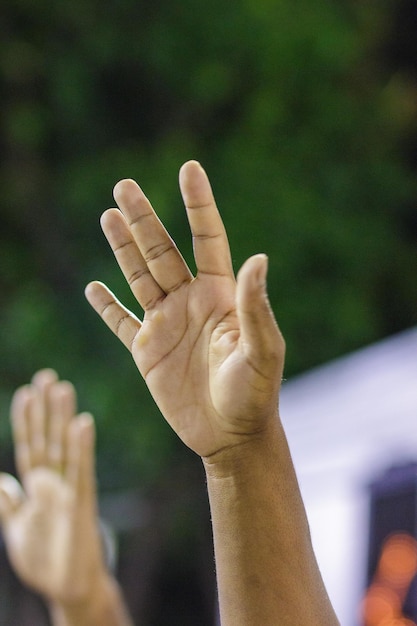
211 246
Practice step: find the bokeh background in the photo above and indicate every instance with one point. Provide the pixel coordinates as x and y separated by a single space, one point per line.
303 113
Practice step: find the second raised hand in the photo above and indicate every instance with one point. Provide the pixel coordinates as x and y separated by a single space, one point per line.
208 347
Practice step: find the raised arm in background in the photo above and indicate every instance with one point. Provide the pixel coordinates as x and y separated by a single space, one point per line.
212 356
49 519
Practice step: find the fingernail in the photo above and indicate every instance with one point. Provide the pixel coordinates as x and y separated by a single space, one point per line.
262 269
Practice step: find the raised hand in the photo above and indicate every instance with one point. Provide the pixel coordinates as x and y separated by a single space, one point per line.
49 519
212 356
208 346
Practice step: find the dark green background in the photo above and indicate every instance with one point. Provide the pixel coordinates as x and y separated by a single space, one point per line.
304 115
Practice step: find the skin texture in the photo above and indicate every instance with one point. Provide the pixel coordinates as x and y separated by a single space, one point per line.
216 341
49 519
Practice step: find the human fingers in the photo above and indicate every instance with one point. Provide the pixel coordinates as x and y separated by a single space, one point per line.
211 246
161 255
118 318
80 470
11 496
39 414
143 285
62 409
19 416
260 337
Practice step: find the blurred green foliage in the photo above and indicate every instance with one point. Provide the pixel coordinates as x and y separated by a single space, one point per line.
305 117
303 126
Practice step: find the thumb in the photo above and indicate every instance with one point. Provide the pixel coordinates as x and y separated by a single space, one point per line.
11 496
260 337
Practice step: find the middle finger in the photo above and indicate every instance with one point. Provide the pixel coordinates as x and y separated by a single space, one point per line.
159 251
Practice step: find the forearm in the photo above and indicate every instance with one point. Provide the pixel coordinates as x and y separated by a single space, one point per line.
266 569
105 607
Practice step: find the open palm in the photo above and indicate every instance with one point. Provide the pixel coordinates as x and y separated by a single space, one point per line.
50 519
208 347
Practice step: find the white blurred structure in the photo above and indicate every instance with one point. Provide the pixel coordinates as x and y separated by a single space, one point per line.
346 422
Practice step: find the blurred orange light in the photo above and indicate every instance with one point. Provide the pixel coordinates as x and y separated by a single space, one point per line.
382 604
397 621
398 562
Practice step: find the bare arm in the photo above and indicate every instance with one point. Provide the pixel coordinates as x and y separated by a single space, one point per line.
266 568
50 520
216 341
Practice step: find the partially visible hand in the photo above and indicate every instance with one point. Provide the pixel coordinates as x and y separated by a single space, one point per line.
49 521
208 347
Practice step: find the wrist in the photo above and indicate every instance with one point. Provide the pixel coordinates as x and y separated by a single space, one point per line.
102 605
256 448
258 475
